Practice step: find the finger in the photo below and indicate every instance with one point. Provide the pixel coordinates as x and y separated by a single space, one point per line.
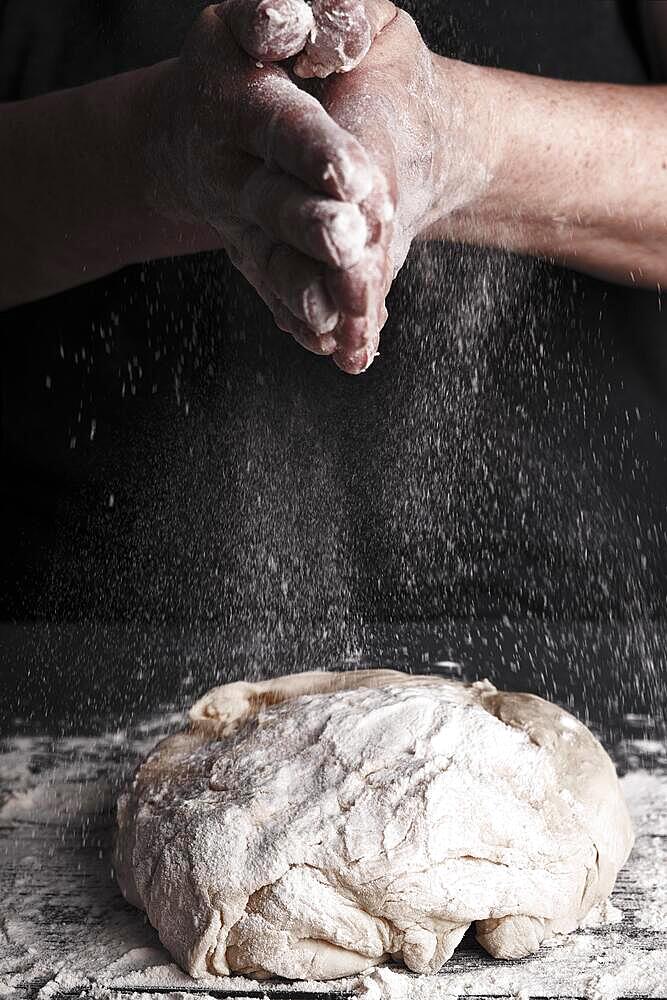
341 38
354 289
236 242
277 122
358 336
295 280
332 232
349 289
360 296
288 323
290 129
298 283
356 362
358 359
344 31
355 333
270 30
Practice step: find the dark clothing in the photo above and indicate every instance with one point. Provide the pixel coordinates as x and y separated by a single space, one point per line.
169 456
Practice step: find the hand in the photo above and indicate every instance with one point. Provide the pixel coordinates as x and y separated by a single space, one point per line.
238 145
417 117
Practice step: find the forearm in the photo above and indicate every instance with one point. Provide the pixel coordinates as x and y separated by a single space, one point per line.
569 171
75 189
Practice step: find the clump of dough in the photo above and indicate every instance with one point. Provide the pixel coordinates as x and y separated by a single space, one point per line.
312 826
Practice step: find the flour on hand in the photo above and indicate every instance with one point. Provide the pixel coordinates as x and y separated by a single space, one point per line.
316 825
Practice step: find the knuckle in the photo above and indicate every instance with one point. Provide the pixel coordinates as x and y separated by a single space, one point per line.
407 23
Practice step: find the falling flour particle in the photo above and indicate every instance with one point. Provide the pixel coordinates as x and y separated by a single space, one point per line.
315 825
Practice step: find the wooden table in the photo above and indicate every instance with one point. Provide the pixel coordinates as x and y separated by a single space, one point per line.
66 931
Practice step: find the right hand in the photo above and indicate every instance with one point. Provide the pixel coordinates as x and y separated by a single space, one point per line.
238 146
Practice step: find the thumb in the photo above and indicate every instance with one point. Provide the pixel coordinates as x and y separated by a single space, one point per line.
343 33
268 30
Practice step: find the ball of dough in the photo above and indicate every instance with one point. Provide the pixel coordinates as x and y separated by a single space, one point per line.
315 825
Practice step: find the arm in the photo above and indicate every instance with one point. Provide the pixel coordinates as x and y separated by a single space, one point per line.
573 172
74 193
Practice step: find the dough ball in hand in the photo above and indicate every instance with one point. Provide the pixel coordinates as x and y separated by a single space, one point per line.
312 826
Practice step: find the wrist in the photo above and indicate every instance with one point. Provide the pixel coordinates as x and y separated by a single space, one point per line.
469 142
153 216
165 188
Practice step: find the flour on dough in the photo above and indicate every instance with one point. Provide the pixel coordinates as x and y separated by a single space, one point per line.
315 825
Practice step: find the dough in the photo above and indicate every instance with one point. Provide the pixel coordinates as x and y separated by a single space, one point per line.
314 825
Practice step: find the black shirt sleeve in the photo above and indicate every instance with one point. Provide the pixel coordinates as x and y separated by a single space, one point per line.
635 25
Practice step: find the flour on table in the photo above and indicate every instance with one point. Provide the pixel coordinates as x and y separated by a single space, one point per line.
603 914
314 826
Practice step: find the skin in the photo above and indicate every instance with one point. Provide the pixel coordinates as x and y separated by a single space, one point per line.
317 191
